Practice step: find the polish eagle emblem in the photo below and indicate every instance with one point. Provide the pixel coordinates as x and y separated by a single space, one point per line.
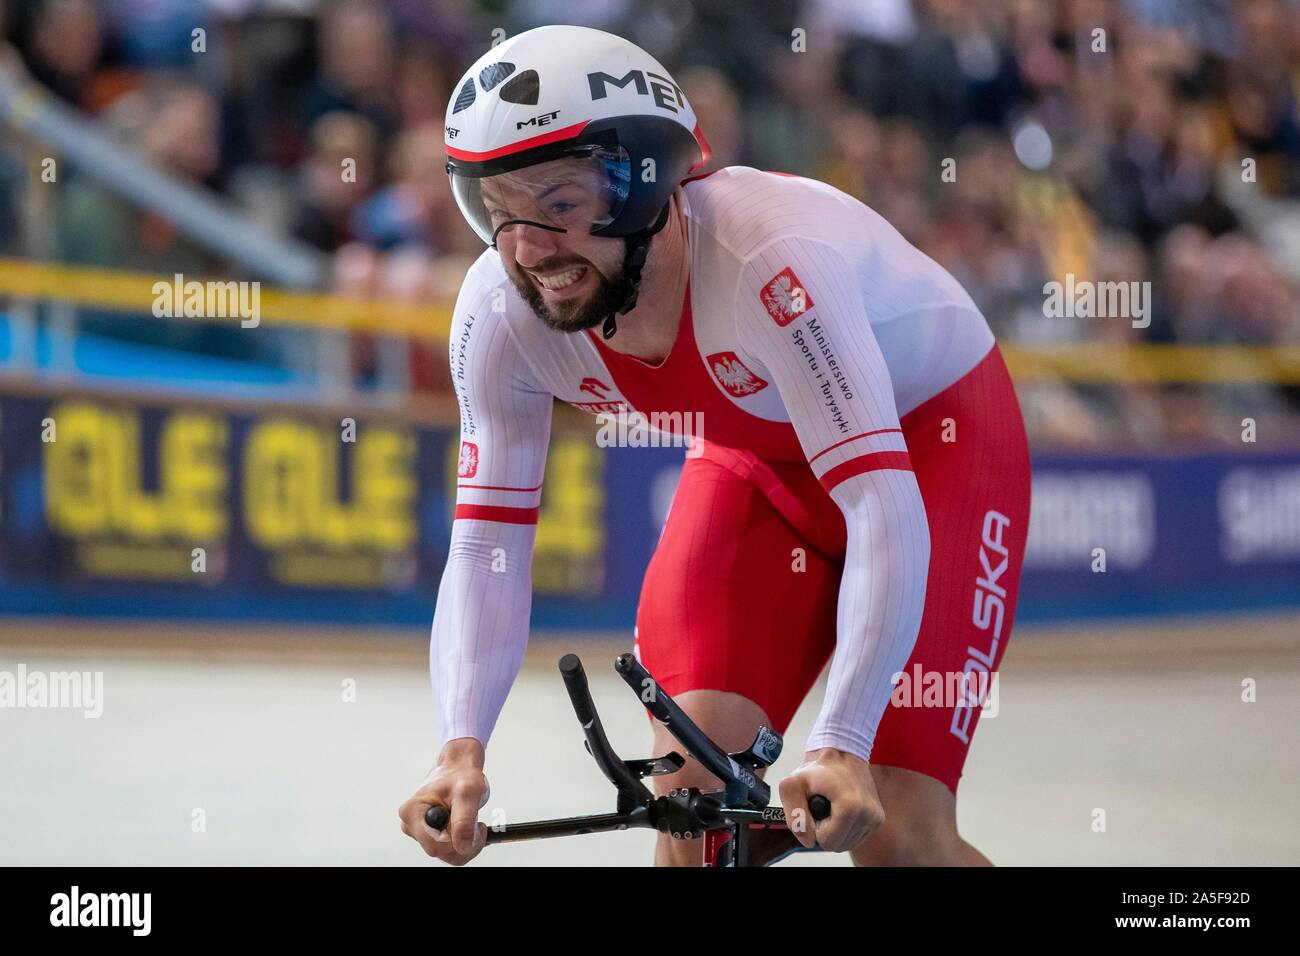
733 376
785 298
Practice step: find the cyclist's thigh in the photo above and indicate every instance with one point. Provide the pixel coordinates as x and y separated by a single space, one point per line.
976 493
734 599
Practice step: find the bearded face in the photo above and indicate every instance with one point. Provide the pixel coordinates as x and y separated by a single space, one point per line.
584 295
542 218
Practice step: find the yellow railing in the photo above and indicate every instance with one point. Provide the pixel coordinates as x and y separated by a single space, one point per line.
1088 362
1206 364
134 292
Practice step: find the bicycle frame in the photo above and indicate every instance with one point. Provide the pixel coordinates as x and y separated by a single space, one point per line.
735 822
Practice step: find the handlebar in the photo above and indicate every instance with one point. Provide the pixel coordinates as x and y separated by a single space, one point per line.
437 816
742 829
819 807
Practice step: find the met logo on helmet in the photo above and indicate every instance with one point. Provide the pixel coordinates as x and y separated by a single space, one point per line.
667 94
543 120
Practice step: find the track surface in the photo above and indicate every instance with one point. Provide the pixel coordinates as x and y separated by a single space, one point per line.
1144 722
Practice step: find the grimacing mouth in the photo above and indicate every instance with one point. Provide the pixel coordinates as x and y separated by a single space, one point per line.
572 312
546 279
549 270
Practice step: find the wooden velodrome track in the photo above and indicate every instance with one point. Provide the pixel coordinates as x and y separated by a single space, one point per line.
228 744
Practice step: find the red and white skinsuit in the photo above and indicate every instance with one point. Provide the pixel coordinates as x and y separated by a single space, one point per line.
861 492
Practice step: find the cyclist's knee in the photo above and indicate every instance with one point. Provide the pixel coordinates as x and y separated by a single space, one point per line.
730 720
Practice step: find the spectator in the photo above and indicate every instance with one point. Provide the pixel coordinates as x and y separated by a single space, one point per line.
423 89
66 47
717 108
177 123
356 66
418 208
12 237
156 34
337 176
1016 141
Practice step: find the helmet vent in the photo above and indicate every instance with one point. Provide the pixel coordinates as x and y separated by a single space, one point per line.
490 76
523 89
466 97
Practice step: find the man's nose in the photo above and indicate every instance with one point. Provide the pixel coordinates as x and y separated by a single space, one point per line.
533 244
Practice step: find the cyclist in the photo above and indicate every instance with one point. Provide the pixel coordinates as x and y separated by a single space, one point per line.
860 492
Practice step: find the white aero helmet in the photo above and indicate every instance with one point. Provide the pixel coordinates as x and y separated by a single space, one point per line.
570 129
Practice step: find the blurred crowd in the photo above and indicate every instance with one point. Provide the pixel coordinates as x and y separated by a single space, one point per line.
1015 141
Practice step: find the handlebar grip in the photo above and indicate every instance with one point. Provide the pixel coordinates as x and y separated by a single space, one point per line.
575 679
819 807
437 817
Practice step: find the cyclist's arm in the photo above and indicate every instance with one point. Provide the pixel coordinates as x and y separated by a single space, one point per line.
480 624
832 377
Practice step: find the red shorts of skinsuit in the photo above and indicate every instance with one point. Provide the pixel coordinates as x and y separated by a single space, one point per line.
723 607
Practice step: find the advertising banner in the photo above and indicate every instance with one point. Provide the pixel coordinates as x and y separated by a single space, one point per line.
130 506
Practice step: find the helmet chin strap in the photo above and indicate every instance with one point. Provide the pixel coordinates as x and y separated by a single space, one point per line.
638 247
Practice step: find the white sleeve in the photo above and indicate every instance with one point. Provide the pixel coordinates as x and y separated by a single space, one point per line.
800 311
480 623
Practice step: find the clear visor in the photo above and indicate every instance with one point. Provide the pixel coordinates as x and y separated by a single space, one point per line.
580 194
